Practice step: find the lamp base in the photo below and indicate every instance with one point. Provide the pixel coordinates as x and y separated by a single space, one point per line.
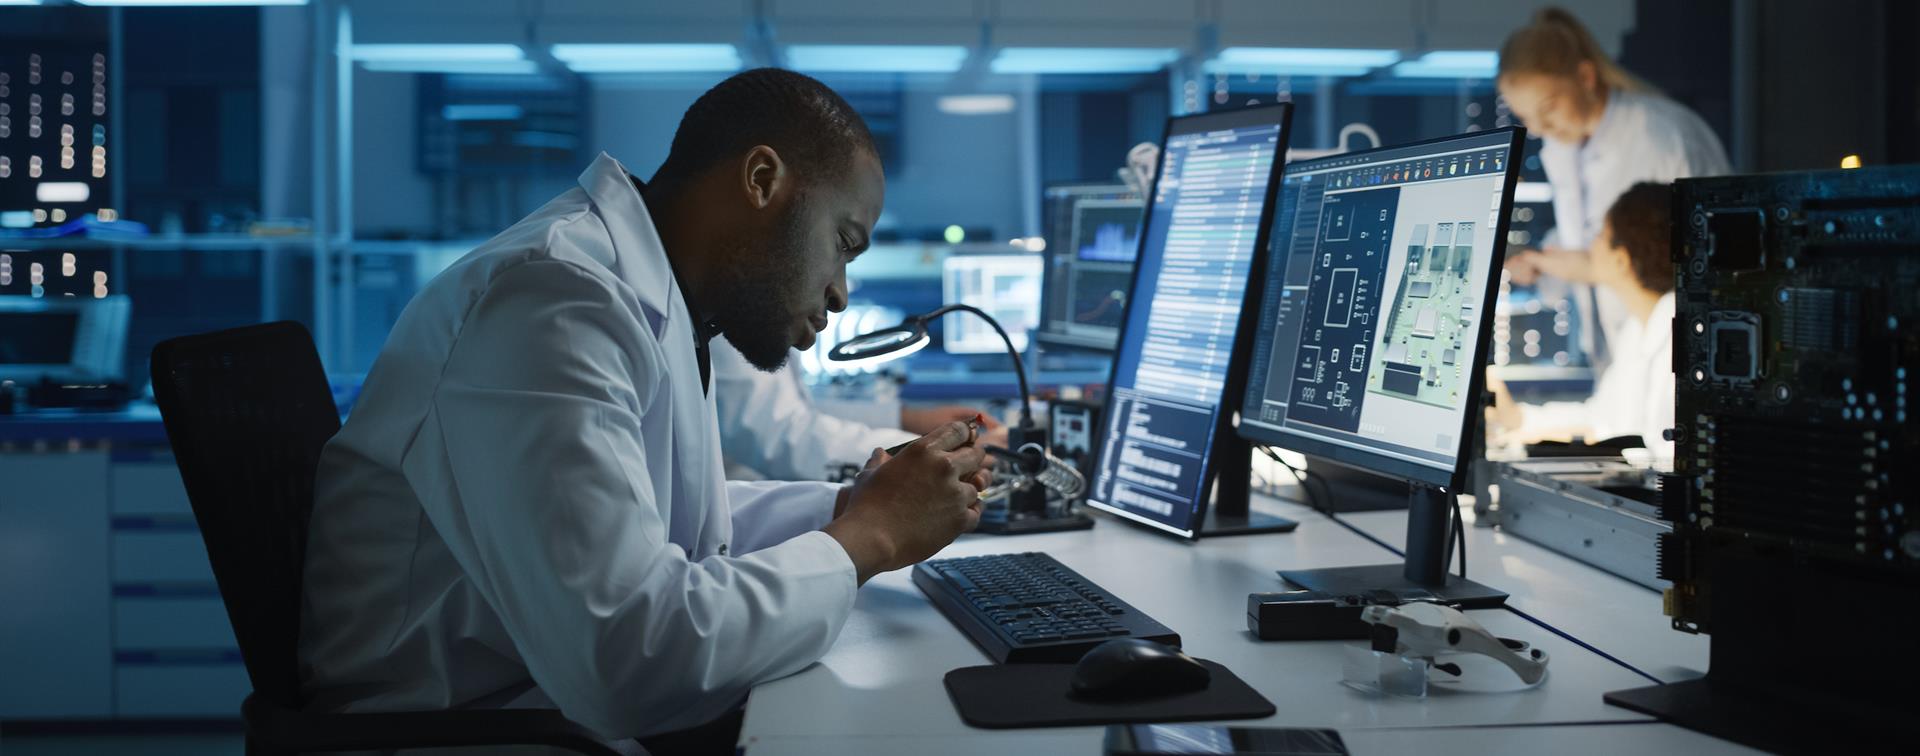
1020 525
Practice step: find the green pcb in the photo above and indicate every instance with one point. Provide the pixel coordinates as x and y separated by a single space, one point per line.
1420 353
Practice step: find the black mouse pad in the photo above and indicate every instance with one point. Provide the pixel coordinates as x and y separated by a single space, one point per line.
1002 696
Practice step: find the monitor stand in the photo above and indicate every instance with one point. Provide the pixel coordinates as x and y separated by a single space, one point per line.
1424 575
1230 512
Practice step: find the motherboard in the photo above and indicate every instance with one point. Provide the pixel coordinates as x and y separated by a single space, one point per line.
1432 313
1797 349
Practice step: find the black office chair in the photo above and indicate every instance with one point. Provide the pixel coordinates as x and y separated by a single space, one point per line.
247 411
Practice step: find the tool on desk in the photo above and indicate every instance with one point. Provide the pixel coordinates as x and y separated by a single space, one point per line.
973 433
1430 632
1033 468
1029 506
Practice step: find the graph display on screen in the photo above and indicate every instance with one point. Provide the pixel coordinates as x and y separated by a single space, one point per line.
1106 230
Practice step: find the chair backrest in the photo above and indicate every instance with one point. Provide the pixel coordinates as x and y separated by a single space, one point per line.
247 412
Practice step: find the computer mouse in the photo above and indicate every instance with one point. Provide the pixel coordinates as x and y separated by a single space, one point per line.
1133 668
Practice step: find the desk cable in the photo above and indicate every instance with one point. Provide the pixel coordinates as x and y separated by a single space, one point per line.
1323 503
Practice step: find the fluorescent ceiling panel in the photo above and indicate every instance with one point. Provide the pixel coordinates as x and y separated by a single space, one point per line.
454 66
647 58
1082 60
444 58
877 58
1300 61
976 104
156 3
1451 64
482 112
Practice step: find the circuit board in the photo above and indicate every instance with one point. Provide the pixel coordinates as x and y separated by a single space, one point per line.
1797 347
1420 348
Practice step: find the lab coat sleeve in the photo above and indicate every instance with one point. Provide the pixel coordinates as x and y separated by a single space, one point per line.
767 423
770 512
1555 416
532 465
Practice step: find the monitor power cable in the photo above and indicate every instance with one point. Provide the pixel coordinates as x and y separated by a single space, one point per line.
1322 502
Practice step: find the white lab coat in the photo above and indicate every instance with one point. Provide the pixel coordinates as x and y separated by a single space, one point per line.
770 428
526 507
1634 397
1640 137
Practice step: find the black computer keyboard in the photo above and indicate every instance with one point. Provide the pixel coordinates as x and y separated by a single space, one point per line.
1023 608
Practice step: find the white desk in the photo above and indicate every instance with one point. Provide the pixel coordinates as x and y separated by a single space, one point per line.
1559 740
879 689
1617 616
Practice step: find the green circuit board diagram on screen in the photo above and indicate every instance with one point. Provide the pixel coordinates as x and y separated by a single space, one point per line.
1420 355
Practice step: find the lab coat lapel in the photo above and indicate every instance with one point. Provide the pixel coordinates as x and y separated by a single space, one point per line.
640 259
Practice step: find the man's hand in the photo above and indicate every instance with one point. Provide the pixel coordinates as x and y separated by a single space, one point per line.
903 509
992 432
924 420
1569 265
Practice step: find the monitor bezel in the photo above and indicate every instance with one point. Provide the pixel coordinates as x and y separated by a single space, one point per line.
1375 462
1242 340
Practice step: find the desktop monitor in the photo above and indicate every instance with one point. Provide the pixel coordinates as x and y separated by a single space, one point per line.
1107 230
1164 437
1373 324
1093 235
1005 285
63 338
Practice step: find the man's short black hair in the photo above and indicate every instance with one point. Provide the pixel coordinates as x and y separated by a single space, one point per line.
810 125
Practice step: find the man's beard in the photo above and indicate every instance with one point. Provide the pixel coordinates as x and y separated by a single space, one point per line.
758 316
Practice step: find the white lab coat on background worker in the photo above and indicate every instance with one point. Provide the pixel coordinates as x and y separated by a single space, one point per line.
533 464
1634 397
770 427
1640 137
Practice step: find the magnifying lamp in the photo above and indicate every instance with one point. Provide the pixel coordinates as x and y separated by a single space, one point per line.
911 336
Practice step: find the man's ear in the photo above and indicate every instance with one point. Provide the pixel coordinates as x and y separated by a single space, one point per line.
764 176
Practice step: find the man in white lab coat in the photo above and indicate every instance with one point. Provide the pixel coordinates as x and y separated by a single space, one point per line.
526 507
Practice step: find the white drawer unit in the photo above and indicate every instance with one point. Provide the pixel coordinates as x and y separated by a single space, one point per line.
108 607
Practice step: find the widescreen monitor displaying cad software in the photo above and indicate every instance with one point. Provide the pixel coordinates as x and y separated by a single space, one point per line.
1177 339
1377 292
